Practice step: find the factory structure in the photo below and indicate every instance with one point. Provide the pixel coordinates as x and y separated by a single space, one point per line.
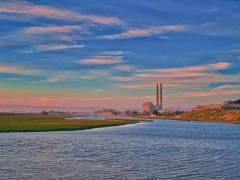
149 106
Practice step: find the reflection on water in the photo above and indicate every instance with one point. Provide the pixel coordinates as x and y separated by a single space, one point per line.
158 150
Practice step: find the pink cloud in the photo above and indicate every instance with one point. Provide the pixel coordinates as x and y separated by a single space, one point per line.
7 69
95 99
192 69
146 32
26 8
46 99
183 77
102 60
52 29
17 70
211 93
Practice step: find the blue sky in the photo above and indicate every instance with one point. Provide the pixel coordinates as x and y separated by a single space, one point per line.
113 53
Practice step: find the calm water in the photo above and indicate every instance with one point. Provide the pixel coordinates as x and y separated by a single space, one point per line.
101 117
158 150
90 118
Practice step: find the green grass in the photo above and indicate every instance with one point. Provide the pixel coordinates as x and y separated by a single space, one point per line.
40 123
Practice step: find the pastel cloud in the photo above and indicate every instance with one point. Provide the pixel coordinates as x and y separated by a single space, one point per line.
124 67
226 90
190 76
123 79
47 99
26 8
95 99
146 32
52 29
99 90
57 47
9 69
113 53
102 60
191 69
50 75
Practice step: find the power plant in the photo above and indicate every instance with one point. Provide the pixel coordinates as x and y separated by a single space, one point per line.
159 99
149 106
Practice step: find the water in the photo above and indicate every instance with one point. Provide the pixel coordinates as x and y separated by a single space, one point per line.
158 150
101 117
90 118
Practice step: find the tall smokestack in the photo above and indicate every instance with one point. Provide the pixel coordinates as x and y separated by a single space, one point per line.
157 96
161 99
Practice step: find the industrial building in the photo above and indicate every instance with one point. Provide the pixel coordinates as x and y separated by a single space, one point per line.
159 99
149 106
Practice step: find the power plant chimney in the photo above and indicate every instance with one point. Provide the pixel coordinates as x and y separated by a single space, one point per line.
161 99
157 97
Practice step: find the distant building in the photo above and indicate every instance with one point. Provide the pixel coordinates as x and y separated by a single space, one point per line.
107 112
223 105
230 105
147 107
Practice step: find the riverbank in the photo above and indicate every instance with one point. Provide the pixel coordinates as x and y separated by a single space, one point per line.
212 115
206 115
41 123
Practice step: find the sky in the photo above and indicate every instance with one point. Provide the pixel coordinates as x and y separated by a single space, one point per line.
112 53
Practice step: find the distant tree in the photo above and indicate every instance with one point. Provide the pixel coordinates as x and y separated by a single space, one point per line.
177 112
128 113
115 113
44 113
134 113
155 112
237 101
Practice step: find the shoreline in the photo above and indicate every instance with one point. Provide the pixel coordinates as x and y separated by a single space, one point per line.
41 123
191 120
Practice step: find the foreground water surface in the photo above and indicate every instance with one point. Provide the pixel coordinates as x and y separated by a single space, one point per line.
158 150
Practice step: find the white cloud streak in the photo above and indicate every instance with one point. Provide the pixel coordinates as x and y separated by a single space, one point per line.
56 47
146 32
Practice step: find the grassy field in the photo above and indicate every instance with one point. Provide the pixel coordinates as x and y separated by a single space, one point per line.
213 115
40 123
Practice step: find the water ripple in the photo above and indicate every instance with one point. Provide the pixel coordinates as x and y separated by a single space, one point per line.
159 150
